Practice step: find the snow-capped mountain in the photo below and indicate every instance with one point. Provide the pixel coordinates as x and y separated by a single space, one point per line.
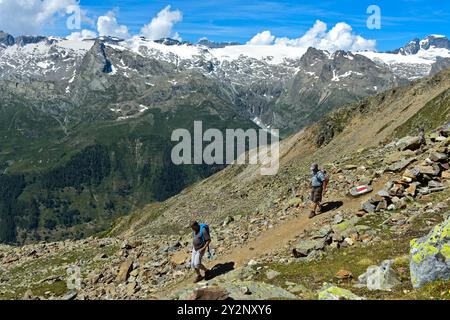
416 59
277 85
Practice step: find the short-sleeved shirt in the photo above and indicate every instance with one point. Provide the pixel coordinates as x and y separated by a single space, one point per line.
317 179
198 241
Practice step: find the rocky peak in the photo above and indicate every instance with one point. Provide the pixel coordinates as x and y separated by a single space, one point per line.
169 42
436 41
415 45
311 56
6 39
24 40
214 45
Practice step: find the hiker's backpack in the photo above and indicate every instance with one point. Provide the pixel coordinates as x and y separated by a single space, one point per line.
204 226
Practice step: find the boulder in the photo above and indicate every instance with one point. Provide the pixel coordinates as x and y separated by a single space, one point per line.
343 274
296 288
446 174
429 170
336 293
380 277
430 256
376 198
384 194
411 173
338 219
315 255
409 143
382 205
323 232
368 207
411 190
304 247
438 156
124 271
272 274
70 295
346 228
397 156
397 190
214 293
435 184
254 290
400 165
28 295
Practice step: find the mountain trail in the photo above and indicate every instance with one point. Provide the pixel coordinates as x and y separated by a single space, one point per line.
278 237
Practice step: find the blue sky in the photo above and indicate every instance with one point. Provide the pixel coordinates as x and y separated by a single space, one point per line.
233 20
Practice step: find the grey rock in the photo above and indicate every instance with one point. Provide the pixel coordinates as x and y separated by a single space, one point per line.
338 219
380 277
400 165
271 274
368 207
72 294
408 143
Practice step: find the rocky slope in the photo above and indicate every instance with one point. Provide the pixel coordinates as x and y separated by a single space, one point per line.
360 250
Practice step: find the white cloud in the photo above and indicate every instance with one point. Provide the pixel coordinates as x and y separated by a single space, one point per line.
262 38
161 26
84 34
340 37
108 26
30 16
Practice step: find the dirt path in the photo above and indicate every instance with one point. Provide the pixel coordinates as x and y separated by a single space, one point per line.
280 235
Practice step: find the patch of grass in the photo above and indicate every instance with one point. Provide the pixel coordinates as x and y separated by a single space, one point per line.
435 113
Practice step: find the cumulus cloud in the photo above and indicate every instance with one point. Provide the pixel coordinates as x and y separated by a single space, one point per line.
108 26
262 38
83 34
30 16
340 37
162 25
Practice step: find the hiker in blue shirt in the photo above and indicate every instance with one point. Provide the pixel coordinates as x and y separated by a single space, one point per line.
201 241
319 183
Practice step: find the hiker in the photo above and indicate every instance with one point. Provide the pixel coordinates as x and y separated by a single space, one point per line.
421 137
319 183
201 241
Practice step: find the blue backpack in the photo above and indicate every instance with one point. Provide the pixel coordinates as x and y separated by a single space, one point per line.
202 226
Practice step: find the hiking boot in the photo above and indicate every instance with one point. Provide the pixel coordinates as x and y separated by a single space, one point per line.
312 214
198 279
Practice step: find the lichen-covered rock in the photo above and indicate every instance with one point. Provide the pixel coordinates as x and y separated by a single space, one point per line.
430 256
336 293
